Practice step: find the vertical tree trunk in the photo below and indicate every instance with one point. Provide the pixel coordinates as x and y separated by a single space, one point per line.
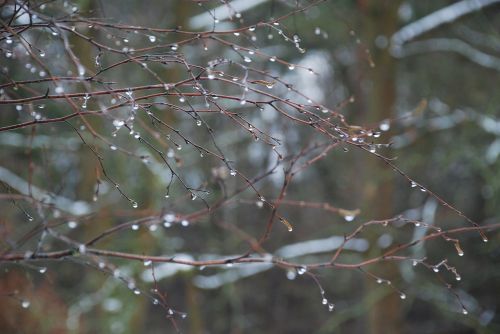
380 19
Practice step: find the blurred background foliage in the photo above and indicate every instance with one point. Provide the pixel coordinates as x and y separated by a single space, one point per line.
450 144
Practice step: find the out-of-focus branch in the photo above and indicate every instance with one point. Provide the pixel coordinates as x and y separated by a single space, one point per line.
438 18
449 45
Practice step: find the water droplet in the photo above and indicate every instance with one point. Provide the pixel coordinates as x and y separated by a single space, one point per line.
331 307
232 172
414 263
349 218
324 301
25 303
380 281
147 262
317 31
243 102
137 291
385 125
135 227
458 278
59 90
113 148
402 296
291 67
174 47
236 33
152 38
436 269
82 249
422 189
72 224
182 99
464 311
42 270
301 270
185 223
156 301
134 204
247 59
102 265
413 184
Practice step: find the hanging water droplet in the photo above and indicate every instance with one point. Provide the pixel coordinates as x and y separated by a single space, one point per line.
458 278
147 263
317 31
232 172
152 38
331 307
414 263
82 249
198 122
42 270
102 265
301 270
291 67
25 304
113 148
385 125
464 311
324 301
402 296
174 47
182 99
134 204
185 223
243 102
413 184
380 281
349 218
435 269
137 291
247 59
272 59
72 224
422 189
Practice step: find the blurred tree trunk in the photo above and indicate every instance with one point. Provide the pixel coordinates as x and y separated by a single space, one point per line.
380 19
